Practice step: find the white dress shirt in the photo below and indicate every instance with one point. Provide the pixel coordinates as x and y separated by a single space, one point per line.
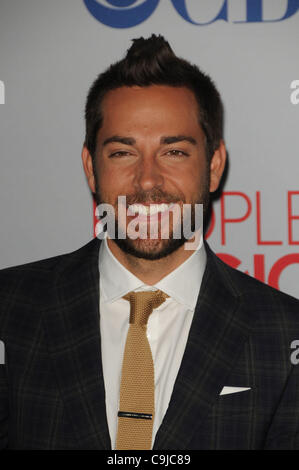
167 330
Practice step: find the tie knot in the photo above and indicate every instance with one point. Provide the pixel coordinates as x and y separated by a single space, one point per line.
143 303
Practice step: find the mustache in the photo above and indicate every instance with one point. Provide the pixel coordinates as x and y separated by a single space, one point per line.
154 197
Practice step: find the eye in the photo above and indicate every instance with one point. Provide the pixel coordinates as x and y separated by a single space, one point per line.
177 153
120 153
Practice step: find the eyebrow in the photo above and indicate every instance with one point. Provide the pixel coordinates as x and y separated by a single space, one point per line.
178 138
121 140
164 140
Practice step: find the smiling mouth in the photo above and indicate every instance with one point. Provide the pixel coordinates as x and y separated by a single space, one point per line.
147 210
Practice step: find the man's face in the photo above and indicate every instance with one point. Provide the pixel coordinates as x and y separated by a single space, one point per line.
151 149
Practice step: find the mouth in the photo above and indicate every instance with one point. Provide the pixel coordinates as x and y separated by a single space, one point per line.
151 213
148 211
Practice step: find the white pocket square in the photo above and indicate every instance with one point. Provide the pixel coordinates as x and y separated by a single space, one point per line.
227 390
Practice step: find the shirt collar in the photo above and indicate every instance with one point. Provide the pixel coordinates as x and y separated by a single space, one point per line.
182 284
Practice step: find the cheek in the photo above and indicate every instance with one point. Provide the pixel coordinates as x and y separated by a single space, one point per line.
112 181
190 179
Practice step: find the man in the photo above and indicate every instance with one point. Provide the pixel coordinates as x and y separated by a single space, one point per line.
211 365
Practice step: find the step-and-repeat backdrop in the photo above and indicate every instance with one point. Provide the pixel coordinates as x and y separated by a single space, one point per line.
51 51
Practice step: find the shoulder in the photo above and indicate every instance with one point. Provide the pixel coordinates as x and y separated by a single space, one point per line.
267 302
29 290
32 281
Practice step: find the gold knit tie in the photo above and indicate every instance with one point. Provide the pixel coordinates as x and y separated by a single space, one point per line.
137 388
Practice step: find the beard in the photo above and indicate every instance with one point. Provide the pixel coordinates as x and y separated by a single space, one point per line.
155 249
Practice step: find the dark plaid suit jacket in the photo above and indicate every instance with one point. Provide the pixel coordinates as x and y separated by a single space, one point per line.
51 387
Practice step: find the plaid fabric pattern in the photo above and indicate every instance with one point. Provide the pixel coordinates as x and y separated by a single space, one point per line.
52 392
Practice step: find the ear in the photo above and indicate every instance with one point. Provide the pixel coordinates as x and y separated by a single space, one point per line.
217 166
88 168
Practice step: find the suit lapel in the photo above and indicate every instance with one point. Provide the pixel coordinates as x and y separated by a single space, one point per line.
218 332
72 329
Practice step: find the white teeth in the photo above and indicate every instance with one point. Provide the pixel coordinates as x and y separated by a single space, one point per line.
148 210
154 208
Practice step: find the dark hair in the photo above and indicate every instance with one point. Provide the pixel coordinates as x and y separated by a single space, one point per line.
152 62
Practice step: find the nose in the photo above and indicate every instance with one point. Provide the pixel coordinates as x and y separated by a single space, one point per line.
148 174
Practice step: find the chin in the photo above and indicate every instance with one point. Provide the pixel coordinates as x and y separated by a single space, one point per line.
149 249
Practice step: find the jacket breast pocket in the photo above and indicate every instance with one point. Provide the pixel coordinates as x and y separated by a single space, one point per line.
235 404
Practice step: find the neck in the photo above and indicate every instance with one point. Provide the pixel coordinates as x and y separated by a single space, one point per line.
151 271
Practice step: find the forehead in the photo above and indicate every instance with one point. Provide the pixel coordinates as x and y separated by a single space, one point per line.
156 108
